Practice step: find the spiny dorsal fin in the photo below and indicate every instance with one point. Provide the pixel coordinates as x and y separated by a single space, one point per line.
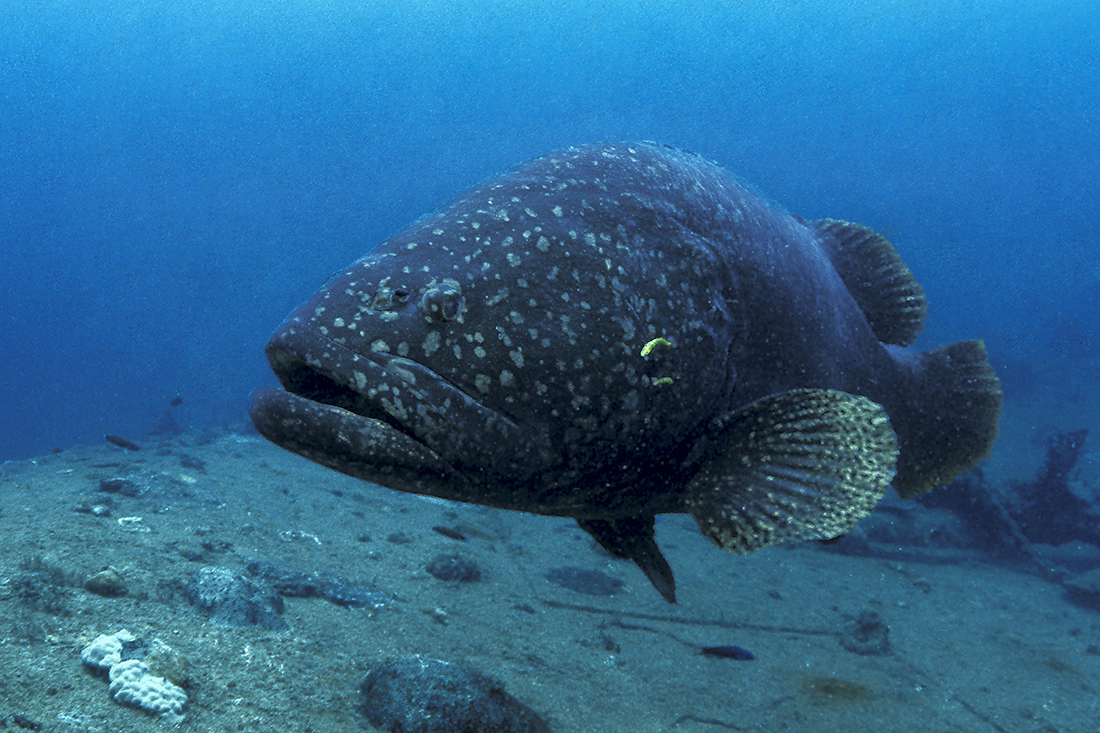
875 275
799 465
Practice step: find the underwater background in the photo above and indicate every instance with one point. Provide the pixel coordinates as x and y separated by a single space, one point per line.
176 177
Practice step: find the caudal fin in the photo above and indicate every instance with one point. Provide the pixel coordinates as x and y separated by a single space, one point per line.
948 421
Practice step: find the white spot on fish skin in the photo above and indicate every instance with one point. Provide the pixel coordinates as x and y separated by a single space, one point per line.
517 357
411 245
513 259
515 317
338 323
458 351
482 382
529 212
395 408
378 345
403 348
360 380
543 244
478 337
432 342
479 351
506 378
402 372
556 211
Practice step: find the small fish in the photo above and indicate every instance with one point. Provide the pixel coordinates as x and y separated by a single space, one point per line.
176 401
613 332
727 652
121 442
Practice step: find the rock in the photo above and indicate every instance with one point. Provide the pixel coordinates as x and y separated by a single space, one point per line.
417 694
235 600
866 635
119 657
1075 556
107 583
454 567
122 487
166 662
107 650
334 588
1084 589
133 685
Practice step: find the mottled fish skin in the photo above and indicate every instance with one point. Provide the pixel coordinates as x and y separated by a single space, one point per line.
567 269
564 339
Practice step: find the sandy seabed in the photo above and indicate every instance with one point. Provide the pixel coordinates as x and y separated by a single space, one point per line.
972 646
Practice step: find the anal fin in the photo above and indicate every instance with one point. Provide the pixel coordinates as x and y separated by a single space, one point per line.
632 539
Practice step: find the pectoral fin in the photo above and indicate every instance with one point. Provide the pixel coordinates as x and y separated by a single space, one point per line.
803 464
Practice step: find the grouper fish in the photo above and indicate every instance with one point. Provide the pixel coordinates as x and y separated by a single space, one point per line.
613 332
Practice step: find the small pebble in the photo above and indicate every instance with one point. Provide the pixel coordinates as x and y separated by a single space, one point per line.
106 583
454 567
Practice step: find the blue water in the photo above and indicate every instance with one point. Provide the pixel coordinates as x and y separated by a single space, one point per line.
175 177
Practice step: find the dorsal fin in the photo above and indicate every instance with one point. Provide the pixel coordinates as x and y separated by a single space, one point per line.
874 274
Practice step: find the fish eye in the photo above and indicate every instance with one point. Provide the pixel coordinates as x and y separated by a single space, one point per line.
442 301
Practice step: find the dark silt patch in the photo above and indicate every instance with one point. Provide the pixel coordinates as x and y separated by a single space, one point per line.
589 582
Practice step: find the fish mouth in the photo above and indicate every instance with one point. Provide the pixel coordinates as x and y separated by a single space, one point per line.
382 417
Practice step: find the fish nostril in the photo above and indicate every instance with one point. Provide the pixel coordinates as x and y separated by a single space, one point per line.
387 299
443 301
